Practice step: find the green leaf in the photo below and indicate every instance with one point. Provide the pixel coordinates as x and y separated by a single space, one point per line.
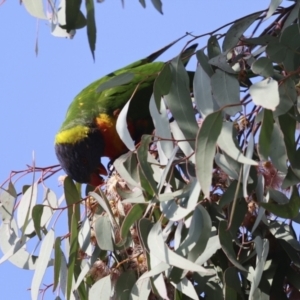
141 289
142 155
288 126
185 146
162 84
115 81
287 211
212 246
162 129
262 250
91 25
7 200
226 143
246 168
126 165
35 8
203 224
288 97
206 141
122 128
278 197
265 93
236 31
277 51
72 198
264 142
37 213
13 250
57 262
237 215
25 207
188 199
226 91
73 15
103 233
102 287
203 93
186 287
290 179
226 243
143 3
277 149
203 61
263 67
226 163
102 200
133 215
213 47
179 101
263 40
159 249
272 8
158 5
124 285
198 235
229 193
84 237
63 274
290 37
232 283
73 253
42 264
221 62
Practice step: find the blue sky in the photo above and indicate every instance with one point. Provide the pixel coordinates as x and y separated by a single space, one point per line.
35 92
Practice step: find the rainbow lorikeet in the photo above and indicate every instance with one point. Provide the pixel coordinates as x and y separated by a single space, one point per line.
89 130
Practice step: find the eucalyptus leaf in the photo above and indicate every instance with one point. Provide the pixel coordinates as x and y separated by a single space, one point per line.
263 67
236 31
265 93
42 263
226 243
179 101
226 91
227 144
206 141
103 230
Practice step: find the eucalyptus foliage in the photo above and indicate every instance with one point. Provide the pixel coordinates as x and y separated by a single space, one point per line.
204 208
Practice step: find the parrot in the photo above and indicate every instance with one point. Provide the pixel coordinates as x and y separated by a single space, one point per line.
89 133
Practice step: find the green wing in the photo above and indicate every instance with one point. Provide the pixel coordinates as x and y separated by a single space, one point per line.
89 103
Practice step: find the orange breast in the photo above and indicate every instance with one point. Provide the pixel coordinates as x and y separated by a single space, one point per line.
114 147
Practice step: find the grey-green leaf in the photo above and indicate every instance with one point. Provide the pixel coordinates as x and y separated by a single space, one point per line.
226 243
205 149
203 92
179 101
265 93
264 142
101 287
115 81
103 233
236 31
263 67
91 25
226 91
158 5
42 263
226 143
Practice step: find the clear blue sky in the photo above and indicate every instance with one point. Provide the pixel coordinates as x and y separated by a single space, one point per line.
35 92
